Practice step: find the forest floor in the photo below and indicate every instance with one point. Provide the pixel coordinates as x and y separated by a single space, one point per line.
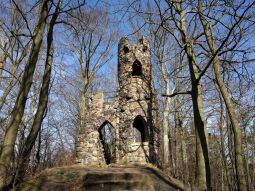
110 178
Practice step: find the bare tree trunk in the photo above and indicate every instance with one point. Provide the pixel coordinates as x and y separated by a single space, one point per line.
240 176
246 160
222 147
2 62
231 151
185 171
203 170
165 117
253 154
43 101
175 138
7 149
3 56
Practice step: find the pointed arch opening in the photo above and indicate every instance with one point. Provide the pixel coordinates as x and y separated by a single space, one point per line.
140 131
107 137
137 68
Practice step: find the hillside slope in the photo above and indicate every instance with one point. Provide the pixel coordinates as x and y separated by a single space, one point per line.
115 178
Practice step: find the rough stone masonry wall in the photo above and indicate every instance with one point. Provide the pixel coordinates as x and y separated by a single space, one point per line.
89 149
136 98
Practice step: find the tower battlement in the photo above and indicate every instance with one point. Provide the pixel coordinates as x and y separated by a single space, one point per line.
133 60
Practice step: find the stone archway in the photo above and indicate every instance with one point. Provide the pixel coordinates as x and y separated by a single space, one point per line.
140 130
107 135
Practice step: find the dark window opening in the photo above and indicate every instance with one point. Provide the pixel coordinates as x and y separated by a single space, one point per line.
137 68
145 48
126 49
146 97
108 140
139 129
128 97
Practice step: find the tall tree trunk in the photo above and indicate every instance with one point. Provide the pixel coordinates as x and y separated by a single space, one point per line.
222 148
253 154
165 117
42 105
7 150
3 58
246 160
185 170
240 176
203 170
231 151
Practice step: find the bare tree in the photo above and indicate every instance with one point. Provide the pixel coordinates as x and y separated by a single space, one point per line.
23 158
91 44
208 31
18 110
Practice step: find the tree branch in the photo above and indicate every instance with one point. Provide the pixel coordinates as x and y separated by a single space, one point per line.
176 93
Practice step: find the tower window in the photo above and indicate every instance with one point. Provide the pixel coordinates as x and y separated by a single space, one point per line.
145 48
137 68
126 49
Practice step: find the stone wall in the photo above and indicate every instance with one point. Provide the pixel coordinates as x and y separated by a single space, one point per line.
132 114
89 148
138 153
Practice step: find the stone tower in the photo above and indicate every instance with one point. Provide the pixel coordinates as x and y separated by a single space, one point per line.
123 131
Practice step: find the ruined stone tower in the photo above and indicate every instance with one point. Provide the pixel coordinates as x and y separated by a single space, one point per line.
123 131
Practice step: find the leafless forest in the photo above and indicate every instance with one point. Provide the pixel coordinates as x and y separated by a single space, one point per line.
203 58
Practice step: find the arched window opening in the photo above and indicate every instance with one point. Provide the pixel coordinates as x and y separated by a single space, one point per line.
126 49
137 68
108 139
139 129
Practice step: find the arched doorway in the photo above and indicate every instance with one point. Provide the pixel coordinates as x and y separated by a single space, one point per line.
140 131
107 136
